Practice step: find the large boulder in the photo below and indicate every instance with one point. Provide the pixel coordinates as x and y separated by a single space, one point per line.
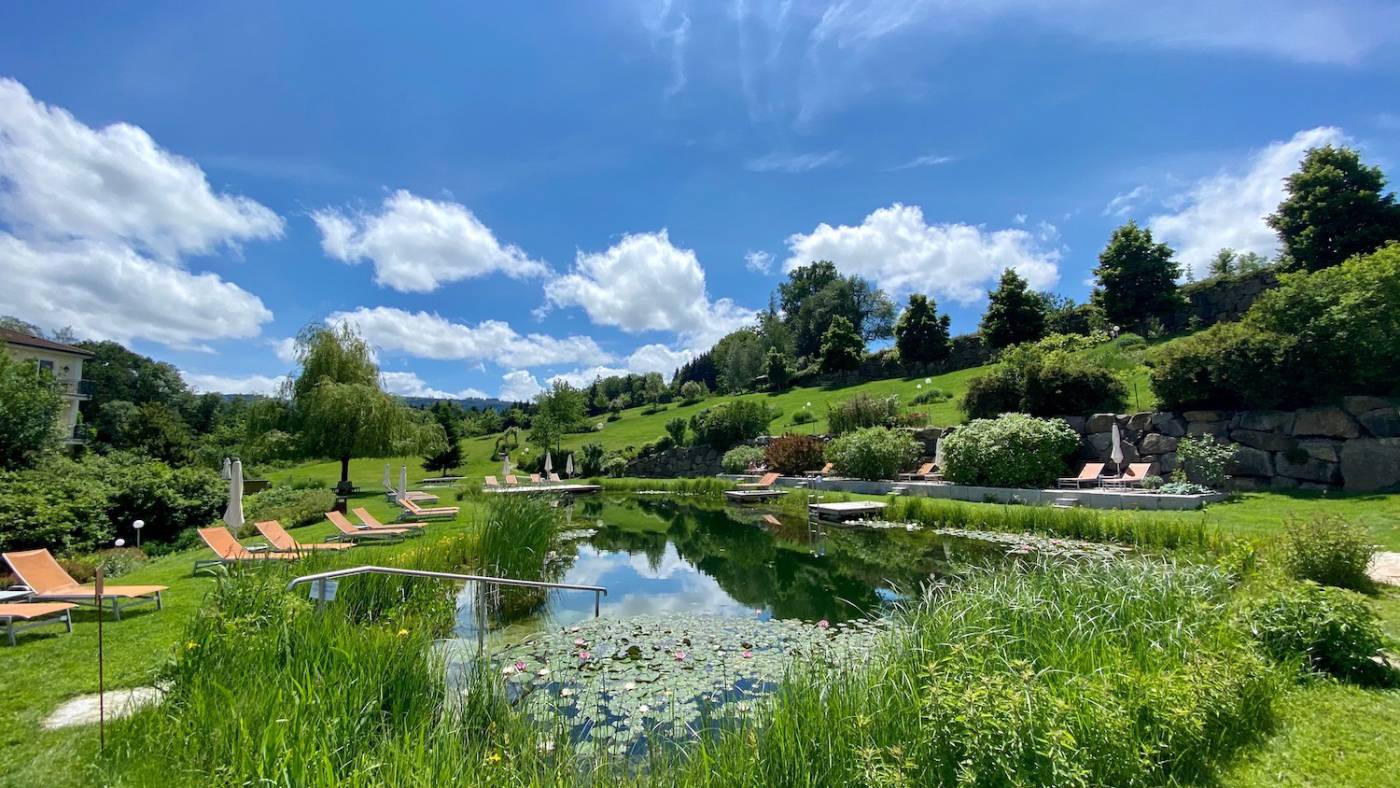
1327 421
1265 420
1268 441
1166 463
1140 421
1219 429
1205 415
1101 422
1321 449
1157 443
1359 405
1309 469
1169 424
1251 462
1382 422
1076 423
1371 464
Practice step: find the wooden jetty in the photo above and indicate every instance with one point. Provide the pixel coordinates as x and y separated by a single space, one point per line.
841 511
751 496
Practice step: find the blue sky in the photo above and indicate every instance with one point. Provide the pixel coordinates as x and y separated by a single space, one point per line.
497 194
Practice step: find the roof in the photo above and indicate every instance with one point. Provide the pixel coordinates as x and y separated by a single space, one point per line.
25 340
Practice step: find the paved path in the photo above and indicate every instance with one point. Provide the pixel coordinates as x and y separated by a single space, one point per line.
1385 568
82 710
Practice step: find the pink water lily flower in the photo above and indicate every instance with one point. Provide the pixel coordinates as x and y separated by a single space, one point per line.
748 654
580 642
585 656
680 655
520 667
823 624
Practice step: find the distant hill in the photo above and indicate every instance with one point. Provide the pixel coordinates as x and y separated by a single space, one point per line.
471 402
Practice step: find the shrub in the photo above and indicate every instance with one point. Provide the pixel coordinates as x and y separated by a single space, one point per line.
114 563
289 506
1331 629
65 512
872 453
1181 488
1203 459
930 396
591 459
1014 450
676 429
739 458
1328 550
803 416
692 391
1227 365
793 454
614 466
1042 382
725 425
861 411
170 500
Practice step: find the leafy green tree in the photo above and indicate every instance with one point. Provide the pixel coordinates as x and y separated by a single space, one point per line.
338 409
842 347
30 405
1063 316
921 335
1014 313
12 323
116 373
449 417
676 429
692 391
1136 279
557 410
1336 208
779 370
814 294
740 357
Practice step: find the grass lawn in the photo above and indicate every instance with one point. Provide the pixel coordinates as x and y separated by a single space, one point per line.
49 666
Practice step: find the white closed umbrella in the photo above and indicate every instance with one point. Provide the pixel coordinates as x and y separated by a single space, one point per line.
1117 455
505 465
548 464
569 465
388 485
938 454
228 469
403 481
233 515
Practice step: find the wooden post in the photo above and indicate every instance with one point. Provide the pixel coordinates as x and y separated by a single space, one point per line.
101 677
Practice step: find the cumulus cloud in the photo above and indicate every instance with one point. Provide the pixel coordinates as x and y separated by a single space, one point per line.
902 253
97 222
646 283
428 335
285 348
222 384
758 262
1123 204
418 245
108 291
794 163
647 358
1228 209
408 384
519 386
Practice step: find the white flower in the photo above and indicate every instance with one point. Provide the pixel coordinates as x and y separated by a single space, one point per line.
566 692
643 709
542 672
629 686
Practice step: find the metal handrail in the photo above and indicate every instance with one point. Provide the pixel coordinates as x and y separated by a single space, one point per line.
321 577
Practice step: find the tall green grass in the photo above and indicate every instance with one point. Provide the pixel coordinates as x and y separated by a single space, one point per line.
698 487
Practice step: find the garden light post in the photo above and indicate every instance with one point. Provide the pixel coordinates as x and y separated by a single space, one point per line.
137 526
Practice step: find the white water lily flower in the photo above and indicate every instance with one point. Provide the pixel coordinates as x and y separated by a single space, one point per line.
566 692
643 709
629 686
542 672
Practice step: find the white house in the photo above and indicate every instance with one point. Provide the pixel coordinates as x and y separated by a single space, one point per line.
65 362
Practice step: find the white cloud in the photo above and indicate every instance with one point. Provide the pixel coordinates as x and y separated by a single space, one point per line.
286 349
903 254
928 160
408 384
794 163
1019 218
428 335
1123 204
519 386
97 221
61 179
758 262
645 283
647 358
1228 209
221 384
417 245
108 291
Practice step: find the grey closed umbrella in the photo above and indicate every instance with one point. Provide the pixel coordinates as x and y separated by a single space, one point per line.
505 466
938 454
388 485
233 515
548 464
569 465
1117 455
403 481
227 472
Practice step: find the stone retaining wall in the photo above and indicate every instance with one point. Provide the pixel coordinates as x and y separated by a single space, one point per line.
1221 300
1353 446
677 462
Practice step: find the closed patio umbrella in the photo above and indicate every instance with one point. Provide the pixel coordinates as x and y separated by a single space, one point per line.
233 515
403 481
938 454
569 466
388 485
505 465
1117 455
548 464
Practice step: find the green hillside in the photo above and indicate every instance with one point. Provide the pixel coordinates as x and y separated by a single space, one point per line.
636 428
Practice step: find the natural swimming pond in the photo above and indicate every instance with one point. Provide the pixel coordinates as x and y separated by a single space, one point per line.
707 608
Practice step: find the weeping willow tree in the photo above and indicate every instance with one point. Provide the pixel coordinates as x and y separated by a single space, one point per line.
338 409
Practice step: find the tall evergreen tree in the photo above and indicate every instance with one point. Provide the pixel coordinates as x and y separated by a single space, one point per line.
1014 313
1336 208
449 417
921 335
779 370
1136 279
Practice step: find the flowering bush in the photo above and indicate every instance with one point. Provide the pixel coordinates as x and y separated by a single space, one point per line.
873 453
739 458
1013 450
793 454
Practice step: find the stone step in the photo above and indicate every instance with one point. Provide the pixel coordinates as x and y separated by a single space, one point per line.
899 489
1066 503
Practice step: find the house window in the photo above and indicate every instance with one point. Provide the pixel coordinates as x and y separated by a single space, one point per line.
46 366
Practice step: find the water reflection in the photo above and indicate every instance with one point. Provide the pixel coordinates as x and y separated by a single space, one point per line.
661 556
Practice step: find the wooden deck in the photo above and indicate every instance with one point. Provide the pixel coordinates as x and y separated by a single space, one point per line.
541 489
841 511
750 496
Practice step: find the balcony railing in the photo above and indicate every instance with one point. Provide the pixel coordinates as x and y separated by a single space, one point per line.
75 388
